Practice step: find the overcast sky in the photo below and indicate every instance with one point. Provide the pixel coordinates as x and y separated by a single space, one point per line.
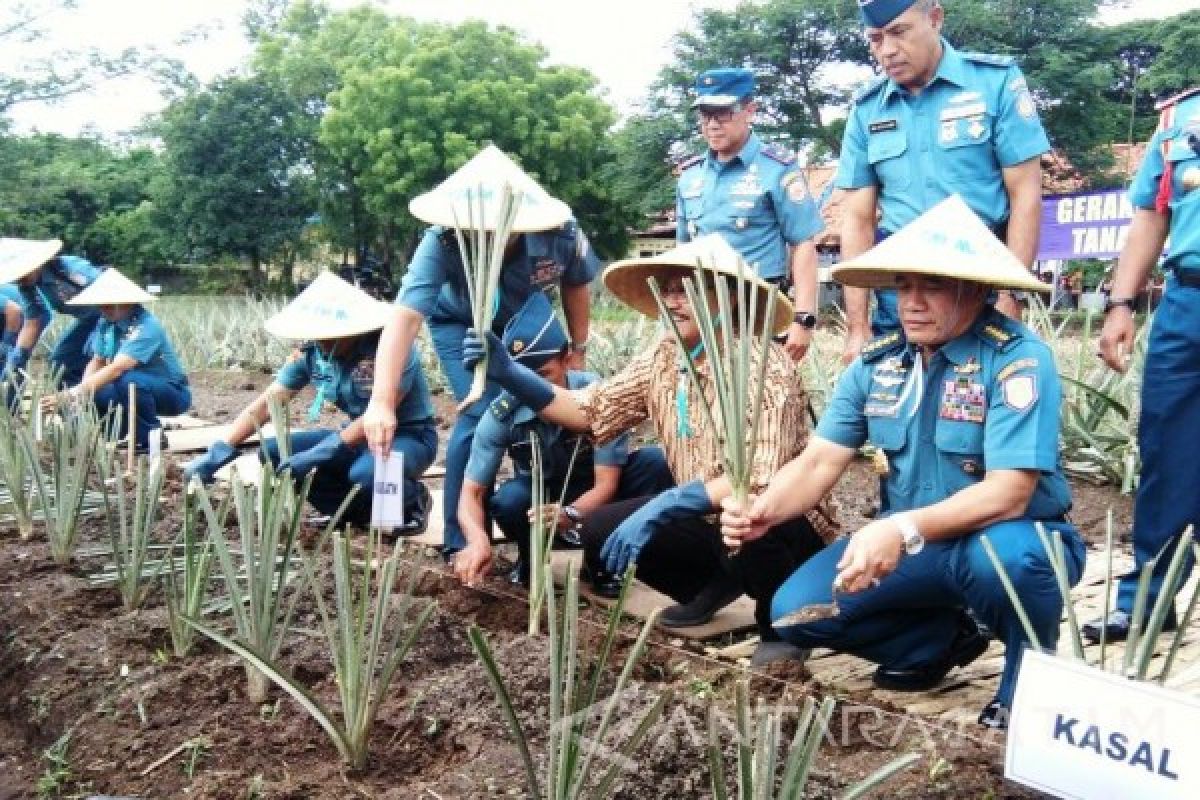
623 42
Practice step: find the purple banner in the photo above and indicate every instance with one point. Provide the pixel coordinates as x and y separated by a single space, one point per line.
1087 225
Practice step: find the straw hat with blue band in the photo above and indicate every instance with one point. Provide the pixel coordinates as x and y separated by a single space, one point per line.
111 288
878 13
627 279
721 88
947 241
534 335
330 308
451 204
19 257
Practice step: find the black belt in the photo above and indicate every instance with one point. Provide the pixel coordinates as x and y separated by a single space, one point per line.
1189 278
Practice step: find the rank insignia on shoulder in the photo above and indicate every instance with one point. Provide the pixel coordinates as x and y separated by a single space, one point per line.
876 347
995 335
779 154
990 59
691 161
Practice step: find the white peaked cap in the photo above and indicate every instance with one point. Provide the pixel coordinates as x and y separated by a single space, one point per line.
452 203
111 288
330 308
19 257
948 241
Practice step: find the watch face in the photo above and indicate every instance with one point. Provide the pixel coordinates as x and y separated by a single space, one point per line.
806 320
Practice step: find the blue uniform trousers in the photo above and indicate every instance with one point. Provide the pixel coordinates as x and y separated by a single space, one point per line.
912 617
334 479
155 395
447 342
70 351
1168 437
645 473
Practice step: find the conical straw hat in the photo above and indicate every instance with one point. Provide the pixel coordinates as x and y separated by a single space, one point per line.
111 287
449 204
627 279
329 308
19 257
948 241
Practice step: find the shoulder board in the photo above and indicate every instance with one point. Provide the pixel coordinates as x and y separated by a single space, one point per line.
691 161
504 406
1170 101
880 345
780 154
998 336
872 86
990 59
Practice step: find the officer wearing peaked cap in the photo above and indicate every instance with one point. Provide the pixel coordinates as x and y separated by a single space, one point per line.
1166 196
591 476
937 122
753 194
964 402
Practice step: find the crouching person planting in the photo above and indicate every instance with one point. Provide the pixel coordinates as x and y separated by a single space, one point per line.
671 535
128 347
339 325
964 403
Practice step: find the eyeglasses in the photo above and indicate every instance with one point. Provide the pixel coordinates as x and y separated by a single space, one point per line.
719 115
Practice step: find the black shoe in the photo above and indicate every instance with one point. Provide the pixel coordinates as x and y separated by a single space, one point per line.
519 574
720 592
994 716
1116 626
606 584
968 645
416 516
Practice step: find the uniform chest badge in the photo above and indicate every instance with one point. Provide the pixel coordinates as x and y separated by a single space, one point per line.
1025 105
963 401
888 380
740 223
975 128
363 376
1190 179
545 270
948 132
748 185
970 367
692 228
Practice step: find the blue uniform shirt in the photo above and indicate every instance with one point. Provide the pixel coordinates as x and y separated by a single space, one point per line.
435 286
507 427
1184 250
61 279
141 337
347 381
990 399
974 119
758 200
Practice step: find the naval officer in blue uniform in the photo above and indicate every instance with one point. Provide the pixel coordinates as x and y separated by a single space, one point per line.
753 194
964 402
586 476
937 122
546 253
46 283
1166 196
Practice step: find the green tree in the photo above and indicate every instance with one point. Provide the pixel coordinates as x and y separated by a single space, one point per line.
236 182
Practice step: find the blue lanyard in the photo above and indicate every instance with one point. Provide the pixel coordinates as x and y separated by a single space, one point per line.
326 369
681 401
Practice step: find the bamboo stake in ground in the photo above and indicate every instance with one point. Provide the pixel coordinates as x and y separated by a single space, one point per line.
482 252
132 429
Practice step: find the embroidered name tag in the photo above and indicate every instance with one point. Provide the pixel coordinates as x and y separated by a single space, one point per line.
883 125
963 111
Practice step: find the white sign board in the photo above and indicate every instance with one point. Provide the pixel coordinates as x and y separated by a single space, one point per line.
1079 732
154 445
387 504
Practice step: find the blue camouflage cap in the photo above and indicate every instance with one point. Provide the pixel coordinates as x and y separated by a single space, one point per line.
877 13
534 335
723 87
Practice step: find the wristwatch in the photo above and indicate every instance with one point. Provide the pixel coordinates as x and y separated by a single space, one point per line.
572 513
805 319
1112 302
914 542
578 347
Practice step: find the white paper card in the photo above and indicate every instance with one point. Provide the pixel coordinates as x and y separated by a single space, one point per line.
1079 732
387 504
154 446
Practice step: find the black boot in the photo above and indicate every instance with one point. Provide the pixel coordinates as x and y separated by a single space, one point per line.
722 590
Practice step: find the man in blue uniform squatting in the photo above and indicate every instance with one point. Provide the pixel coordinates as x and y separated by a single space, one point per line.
965 403
546 252
753 194
1166 196
938 122
46 283
599 475
10 305
340 325
128 347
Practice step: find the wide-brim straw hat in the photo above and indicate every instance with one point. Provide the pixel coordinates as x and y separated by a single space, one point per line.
947 241
627 279
19 257
330 308
453 203
111 288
